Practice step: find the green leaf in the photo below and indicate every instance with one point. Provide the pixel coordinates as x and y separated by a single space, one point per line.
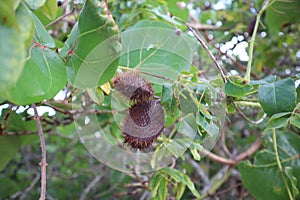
12 55
263 178
9 146
180 188
43 76
188 103
174 173
208 127
7 15
237 88
168 100
41 35
50 9
188 126
195 154
154 47
35 4
93 47
176 10
162 189
282 12
155 183
295 120
178 176
177 147
27 26
277 97
266 80
278 120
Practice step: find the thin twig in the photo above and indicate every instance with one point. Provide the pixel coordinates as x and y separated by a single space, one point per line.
223 142
198 169
245 117
43 162
219 67
90 186
60 18
24 192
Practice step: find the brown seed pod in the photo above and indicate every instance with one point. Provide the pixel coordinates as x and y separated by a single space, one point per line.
143 124
133 87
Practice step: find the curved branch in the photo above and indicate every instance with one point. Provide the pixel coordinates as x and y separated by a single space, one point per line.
253 148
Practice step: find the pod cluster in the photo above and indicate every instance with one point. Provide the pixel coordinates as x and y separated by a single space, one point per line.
145 120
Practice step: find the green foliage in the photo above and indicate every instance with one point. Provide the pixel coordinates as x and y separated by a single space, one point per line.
9 147
263 178
281 13
92 43
160 181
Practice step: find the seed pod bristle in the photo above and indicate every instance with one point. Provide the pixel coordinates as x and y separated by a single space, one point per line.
143 124
133 87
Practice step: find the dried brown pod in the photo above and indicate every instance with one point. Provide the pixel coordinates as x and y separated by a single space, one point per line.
143 124
133 87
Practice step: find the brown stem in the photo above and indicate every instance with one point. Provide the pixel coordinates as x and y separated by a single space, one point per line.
208 51
43 162
254 147
60 18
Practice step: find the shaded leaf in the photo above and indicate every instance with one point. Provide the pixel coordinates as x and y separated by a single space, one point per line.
295 120
293 181
9 146
282 12
263 178
273 96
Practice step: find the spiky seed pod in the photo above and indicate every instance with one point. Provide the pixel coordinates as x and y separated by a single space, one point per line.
133 87
143 124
